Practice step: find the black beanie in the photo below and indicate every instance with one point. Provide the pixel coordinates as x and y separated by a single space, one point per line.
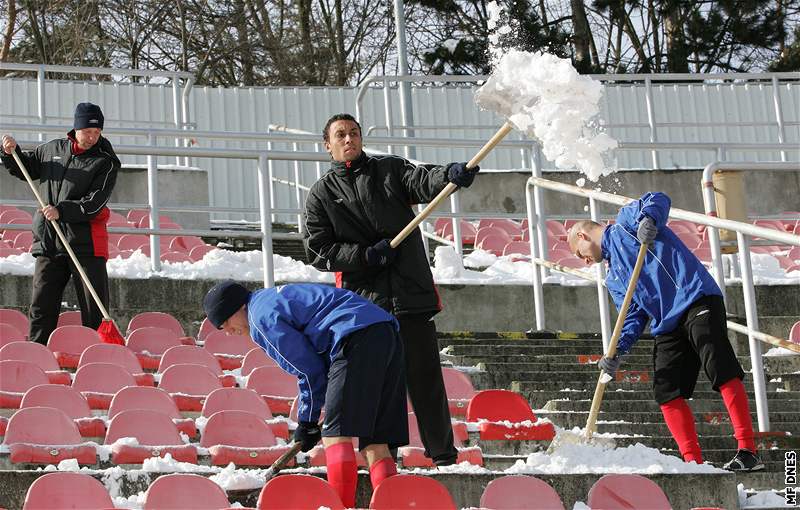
223 300
88 115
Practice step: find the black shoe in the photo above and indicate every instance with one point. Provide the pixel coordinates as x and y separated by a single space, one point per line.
745 461
447 461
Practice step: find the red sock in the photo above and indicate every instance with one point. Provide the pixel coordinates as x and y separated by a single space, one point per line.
342 471
735 398
381 470
680 422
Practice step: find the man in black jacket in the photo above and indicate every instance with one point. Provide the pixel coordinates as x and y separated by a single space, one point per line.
76 175
351 214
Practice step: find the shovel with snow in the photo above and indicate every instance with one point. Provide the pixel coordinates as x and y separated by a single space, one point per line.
568 437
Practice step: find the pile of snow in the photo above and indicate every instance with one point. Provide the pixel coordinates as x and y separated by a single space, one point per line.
761 499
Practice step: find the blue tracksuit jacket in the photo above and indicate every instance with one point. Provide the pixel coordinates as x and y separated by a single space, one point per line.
301 327
672 278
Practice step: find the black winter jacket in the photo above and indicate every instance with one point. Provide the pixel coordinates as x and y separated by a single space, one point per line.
78 185
350 208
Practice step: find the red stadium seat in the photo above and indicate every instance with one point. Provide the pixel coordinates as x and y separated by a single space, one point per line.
57 491
229 349
184 491
493 244
275 386
117 355
185 243
623 492
554 255
23 241
155 399
240 437
468 231
256 358
70 318
40 356
494 232
242 399
155 319
133 242
413 455
572 262
15 318
520 493
149 343
198 252
70 401
69 342
155 432
144 221
556 229
198 356
9 333
794 334
189 385
205 328
45 435
517 248
8 251
17 377
459 390
98 382
15 214
134 215
506 406
298 491
411 491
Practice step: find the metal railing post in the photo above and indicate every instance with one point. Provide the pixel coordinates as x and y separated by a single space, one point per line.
298 195
387 108
271 176
176 110
455 208
265 206
319 164
538 208
710 205
602 295
776 99
40 99
538 290
152 199
651 118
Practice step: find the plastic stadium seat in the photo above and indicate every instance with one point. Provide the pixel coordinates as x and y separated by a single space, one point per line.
183 491
17 377
154 399
7 252
198 252
468 232
15 318
45 435
69 342
98 382
185 243
256 358
57 491
70 401
517 248
9 333
144 221
501 406
117 355
459 390
189 385
149 343
155 319
794 334
134 215
624 492
554 255
242 399
572 262
155 433
40 356
494 232
520 493
205 328
240 437
691 241
413 455
133 242
23 241
229 349
298 491
197 356
493 244
411 491
557 229
173 257
15 214
70 318
703 254
275 386
316 456
511 227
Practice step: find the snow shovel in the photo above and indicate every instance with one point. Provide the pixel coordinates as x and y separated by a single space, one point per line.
284 459
568 437
108 331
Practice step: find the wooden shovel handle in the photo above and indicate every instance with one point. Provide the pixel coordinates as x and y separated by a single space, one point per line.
285 458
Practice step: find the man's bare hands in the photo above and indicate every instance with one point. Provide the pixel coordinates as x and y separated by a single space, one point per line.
9 144
50 212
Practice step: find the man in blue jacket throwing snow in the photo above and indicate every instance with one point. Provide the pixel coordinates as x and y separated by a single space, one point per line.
688 317
347 355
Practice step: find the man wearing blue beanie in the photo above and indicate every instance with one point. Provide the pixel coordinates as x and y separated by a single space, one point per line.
76 175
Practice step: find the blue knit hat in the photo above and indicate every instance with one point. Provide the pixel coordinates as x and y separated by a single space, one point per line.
88 115
223 300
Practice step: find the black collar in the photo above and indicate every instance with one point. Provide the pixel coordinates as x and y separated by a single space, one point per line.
343 168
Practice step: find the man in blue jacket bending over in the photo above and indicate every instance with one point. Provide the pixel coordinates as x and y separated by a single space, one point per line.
688 318
347 356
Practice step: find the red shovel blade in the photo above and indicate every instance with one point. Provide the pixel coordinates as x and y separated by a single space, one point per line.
109 333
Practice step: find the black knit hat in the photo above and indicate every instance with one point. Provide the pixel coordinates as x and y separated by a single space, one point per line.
223 300
88 115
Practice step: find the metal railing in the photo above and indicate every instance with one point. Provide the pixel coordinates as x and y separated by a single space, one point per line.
534 200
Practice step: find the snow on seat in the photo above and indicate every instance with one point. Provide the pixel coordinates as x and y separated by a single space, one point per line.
57 491
189 385
229 349
411 491
98 382
195 355
17 377
9 333
459 390
69 400
183 491
69 342
45 435
15 318
159 320
256 358
117 355
505 415
40 356
243 399
174 257
70 318
627 491
275 386
240 437
150 342
155 399
516 492
298 491
155 435
413 455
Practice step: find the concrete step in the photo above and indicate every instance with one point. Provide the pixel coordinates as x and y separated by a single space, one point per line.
532 350
699 407
594 343
541 397
568 382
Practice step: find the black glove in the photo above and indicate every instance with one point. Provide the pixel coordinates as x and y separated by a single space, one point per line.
458 174
610 365
381 254
308 434
647 230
